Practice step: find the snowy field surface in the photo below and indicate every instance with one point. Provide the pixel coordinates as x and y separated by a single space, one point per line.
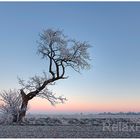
73 126
82 116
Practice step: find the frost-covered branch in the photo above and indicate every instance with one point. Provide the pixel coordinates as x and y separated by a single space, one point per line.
63 52
51 97
10 102
33 83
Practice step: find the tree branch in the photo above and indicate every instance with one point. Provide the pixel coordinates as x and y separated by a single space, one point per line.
62 53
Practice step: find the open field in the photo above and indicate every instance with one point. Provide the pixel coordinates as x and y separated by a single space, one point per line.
68 127
61 132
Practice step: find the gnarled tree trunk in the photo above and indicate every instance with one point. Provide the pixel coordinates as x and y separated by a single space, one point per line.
15 117
23 108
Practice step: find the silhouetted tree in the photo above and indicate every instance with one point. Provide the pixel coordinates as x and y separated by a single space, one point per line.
61 53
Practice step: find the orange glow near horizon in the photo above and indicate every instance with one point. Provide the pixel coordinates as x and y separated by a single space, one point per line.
75 105
41 105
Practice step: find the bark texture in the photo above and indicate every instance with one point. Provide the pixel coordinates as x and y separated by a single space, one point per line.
23 108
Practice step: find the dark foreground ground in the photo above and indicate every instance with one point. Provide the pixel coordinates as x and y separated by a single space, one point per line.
73 128
61 132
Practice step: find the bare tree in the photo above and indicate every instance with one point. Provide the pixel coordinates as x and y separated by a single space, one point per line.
10 103
61 53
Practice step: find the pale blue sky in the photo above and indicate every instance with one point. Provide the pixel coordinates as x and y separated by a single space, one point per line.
113 29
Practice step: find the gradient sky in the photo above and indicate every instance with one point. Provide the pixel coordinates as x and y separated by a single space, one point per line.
113 29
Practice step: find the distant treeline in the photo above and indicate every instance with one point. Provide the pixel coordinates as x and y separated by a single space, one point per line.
120 113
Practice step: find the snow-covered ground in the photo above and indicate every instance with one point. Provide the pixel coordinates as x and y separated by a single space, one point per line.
74 126
82 116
